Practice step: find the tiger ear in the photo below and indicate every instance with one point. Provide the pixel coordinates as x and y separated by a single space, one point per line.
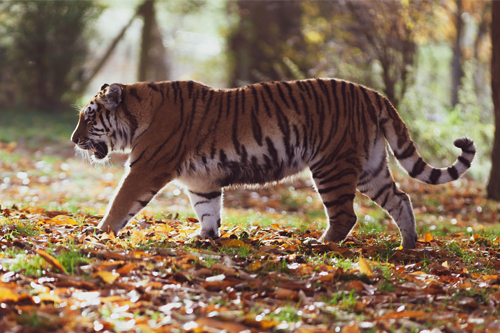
113 96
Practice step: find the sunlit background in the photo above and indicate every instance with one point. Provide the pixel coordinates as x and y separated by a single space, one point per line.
430 58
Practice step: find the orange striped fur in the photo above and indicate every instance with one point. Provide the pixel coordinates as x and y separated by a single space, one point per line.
209 139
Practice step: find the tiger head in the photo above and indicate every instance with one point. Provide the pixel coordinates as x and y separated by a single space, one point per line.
102 128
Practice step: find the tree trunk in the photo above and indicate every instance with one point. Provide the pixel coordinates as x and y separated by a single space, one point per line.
148 13
456 64
494 183
152 63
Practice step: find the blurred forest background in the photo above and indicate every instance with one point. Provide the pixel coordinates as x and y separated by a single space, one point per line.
432 59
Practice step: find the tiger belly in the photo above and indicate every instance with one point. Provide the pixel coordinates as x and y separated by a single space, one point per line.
204 180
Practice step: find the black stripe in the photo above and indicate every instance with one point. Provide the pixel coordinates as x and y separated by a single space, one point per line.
204 216
209 195
338 176
133 93
307 89
153 192
464 161
340 201
453 172
408 152
228 105
268 90
255 98
243 93
256 129
299 84
153 86
324 89
235 124
294 101
418 168
435 174
272 150
385 200
137 160
266 106
282 95
382 190
201 202
103 123
143 203
332 188
340 214
190 88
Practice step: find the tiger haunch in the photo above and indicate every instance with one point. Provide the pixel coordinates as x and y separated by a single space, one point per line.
208 139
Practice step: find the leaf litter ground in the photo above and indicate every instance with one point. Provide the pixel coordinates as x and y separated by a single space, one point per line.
267 272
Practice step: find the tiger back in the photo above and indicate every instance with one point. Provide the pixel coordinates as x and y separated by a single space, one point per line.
209 139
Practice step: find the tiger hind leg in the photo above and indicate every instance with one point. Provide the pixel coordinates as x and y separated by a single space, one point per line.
207 206
337 188
378 185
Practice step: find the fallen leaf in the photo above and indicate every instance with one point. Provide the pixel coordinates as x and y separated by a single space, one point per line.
107 277
7 295
51 260
428 237
209 324
62 220
282 293
364 267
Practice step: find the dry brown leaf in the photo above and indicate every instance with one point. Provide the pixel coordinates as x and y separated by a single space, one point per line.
282 293
404 314
254 265
351 328
52 261
209 323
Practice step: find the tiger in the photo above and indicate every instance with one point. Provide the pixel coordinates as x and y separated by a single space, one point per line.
209 139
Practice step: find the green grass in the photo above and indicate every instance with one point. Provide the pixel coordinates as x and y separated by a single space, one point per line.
36 127
33 267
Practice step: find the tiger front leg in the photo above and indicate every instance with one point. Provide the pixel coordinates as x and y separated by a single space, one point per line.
207 206
135 191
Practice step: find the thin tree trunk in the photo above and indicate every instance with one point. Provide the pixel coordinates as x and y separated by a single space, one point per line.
85 83
456 64
494 183
148 13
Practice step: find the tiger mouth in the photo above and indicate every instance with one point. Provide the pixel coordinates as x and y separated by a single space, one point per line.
100 150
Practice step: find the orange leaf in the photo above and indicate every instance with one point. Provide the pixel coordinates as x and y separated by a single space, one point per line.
209 325
235 243
428 237
404 314
49 297
352 328
283 293
126 269
51 260
7 295
62 220
364 266
255 265
107 277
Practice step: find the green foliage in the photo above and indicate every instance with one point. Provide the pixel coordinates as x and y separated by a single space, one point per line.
434 125
43 47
